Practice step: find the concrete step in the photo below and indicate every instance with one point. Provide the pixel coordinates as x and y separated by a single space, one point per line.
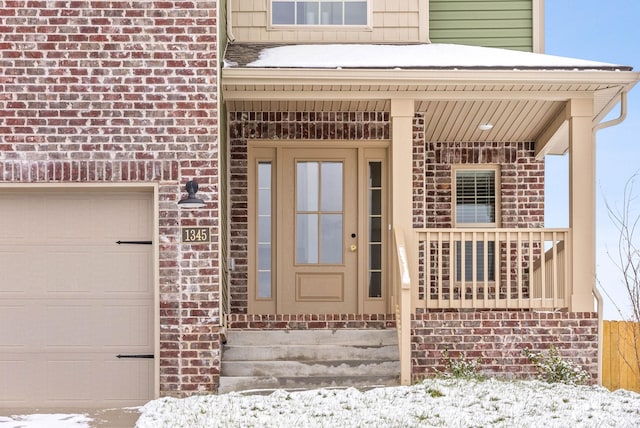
333 368
234 352
313 337
304 359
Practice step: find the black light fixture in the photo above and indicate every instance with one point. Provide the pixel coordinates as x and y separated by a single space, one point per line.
191 201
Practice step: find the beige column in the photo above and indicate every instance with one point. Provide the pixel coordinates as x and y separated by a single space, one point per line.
582 203
402 112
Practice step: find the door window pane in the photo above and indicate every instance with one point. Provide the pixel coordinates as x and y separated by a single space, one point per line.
264 224
264 285
375 284
307 238
264 229
319 212
331 190
307 186
375 229
264 257
331 238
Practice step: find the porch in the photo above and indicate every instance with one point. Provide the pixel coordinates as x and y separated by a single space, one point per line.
512 271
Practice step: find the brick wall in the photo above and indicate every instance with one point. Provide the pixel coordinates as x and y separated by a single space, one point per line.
498 339
120 91
521 180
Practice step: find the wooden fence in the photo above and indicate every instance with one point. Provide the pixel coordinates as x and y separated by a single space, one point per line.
621 347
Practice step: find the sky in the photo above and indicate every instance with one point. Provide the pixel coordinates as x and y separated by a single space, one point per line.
607 31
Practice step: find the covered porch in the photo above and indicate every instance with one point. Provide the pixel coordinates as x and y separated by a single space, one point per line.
434 264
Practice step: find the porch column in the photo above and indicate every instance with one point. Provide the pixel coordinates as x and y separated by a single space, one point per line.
402 112
582 203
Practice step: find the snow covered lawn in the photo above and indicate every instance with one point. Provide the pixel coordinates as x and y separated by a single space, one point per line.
435 402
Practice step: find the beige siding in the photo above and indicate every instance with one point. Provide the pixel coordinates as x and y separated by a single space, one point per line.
391 21
495 23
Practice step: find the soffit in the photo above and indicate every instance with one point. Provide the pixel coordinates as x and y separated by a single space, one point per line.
520 110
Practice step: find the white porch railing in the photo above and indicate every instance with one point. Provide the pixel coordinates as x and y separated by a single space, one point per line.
492 268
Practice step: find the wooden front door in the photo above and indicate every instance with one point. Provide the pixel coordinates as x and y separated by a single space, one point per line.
319 231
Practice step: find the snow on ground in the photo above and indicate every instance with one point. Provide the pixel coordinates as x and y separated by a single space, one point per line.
435 402
425 55
45 421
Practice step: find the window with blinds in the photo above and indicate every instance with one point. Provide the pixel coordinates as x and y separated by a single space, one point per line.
476 205
475 197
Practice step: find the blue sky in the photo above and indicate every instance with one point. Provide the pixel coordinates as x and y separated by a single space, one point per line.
607 31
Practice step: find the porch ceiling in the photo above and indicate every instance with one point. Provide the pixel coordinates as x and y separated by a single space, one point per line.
520 105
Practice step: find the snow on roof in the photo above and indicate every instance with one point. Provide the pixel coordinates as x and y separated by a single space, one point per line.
435 55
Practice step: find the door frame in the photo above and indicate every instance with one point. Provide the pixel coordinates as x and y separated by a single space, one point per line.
105 187
259 150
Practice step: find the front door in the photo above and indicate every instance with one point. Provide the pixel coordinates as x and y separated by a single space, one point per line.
317 241
319 227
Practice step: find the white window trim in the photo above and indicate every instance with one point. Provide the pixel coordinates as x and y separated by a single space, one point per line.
307 27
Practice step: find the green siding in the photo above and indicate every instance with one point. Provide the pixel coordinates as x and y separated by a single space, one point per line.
497 23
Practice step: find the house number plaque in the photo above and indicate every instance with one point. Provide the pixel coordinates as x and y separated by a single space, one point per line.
195 235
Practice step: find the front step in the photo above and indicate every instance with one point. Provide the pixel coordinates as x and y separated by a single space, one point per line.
304 359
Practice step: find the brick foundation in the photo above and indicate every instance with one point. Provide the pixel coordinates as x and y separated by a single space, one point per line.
498 339
310 321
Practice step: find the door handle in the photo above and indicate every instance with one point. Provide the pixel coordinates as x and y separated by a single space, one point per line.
353 248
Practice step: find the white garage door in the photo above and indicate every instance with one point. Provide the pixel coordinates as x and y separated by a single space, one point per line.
72 299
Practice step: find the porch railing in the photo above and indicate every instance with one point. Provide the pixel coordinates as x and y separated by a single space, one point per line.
493 268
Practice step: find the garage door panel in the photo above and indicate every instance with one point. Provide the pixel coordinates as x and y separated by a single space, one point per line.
17 264
17 328
130 270
74 299
123 381
13 371
71 325
134 324
129 228
67 219
67 378
13 221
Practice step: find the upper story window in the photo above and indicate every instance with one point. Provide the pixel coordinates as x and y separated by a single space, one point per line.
319 12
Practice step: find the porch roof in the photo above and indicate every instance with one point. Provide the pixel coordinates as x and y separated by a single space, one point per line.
414 56
457 87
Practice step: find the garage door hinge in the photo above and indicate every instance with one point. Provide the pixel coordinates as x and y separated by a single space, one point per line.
134 242
135 356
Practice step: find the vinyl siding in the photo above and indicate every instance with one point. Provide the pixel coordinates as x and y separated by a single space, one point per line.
497 23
